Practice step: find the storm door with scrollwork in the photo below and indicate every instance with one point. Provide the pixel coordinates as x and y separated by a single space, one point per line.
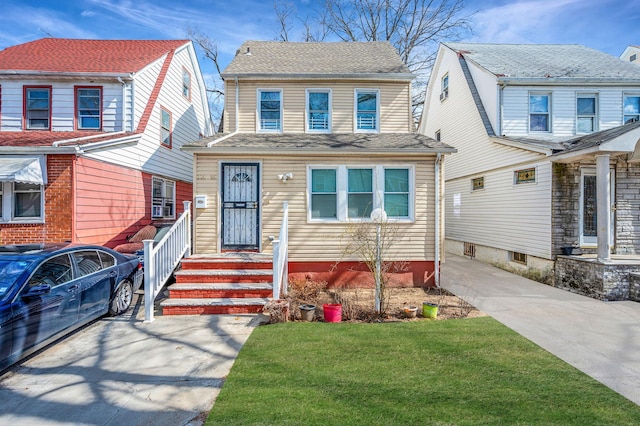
240 206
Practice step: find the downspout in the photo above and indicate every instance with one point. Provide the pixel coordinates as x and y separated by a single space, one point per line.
124 104
237 120
437 220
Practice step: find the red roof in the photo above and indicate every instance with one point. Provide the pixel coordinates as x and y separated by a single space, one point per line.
35 138
90 56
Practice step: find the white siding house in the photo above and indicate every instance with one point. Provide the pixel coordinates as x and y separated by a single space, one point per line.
531 123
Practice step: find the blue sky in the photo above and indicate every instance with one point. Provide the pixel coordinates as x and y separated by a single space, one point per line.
606 25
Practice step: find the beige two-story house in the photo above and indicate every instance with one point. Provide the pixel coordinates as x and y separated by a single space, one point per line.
328 129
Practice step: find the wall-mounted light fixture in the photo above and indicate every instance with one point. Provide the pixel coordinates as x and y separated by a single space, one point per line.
285 177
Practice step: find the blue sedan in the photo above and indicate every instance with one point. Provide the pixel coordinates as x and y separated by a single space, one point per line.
47 291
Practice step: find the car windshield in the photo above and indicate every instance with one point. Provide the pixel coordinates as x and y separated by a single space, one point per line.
10 271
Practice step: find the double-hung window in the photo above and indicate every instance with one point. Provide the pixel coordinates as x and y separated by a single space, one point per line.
186 84
165 127
631 108
444 87
88 111
37 107
164 198
345 193
324 194
586 113
367 114
539 112
319 110
21 202
269 110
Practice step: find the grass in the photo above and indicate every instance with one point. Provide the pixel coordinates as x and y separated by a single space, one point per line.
455 372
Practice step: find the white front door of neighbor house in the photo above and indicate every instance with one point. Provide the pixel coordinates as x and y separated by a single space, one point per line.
240 206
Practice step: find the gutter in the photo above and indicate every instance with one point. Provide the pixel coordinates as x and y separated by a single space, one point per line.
237 121
564 81
53 74
96 145
337 76
253 150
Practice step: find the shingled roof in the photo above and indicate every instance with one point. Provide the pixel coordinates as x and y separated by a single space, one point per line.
546 61
268 58
334 143
61 55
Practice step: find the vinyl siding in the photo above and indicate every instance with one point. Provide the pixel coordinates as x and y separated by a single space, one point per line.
63 104
563 109
461 126
310 241
394 104
188 123
502 215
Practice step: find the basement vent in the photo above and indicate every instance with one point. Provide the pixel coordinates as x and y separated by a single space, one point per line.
519 257
470 250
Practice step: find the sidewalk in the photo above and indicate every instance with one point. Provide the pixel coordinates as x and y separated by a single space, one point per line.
602 339
121 371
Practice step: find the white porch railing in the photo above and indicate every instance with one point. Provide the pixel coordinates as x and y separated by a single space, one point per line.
161 259
281 256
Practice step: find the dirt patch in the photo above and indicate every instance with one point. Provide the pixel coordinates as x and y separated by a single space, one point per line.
358 305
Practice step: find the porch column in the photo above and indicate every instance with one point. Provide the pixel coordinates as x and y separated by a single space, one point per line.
603 194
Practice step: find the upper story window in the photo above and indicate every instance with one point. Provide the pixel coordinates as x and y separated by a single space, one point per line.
37 107
318 110
438 135
586 113
539 112
344 193
164 198
88 111
367 110
270 110
444 87
165 127
186 84
631 108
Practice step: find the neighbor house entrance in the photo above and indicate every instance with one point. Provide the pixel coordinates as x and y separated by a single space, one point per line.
240 188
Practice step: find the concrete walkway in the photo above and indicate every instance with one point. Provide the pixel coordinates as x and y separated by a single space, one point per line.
601 339
121 371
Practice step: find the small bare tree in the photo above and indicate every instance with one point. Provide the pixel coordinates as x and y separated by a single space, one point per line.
372 242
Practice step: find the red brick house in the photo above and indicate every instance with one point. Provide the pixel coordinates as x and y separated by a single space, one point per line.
90 137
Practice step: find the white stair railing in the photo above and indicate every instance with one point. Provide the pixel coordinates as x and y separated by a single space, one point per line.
161 259
281 256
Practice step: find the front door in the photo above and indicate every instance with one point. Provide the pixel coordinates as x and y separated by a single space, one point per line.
240 207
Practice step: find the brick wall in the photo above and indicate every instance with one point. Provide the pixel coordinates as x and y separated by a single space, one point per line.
58 208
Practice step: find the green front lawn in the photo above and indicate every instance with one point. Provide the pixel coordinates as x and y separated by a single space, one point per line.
454 372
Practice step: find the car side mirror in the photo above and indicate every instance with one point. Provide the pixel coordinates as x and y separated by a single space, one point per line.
38 290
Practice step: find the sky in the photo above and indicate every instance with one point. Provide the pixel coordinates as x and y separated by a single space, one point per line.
606 25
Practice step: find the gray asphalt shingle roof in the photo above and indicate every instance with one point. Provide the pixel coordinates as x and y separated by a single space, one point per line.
570 61
366 143
316 58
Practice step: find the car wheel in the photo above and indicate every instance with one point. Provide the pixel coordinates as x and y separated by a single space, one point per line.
122 299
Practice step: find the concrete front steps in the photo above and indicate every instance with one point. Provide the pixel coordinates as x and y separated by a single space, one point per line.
235 283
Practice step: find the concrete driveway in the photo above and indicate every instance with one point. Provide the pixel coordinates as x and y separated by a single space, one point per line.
599 338
121 371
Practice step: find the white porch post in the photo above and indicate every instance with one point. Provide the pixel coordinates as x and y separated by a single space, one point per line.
603 194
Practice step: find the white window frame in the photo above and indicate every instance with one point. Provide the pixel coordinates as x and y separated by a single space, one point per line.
8 200
159 214
548 113
595 115
629 95
186 84
259 111
308 128
592 241
444 87
378 191
355 110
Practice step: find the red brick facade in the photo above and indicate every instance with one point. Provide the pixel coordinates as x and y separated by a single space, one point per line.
58 208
